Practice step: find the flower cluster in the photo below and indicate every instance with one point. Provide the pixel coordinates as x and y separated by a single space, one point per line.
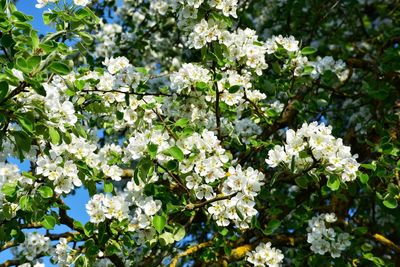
188 76
10 174
59 108
34 245
265 255
245 186
228 7
107 39
62 253
64 175
43 3
131 204
328 63
313 142
323 238
288 43
101 207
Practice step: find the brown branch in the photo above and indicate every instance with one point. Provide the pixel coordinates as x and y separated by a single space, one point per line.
124 92
15 92
116 260
189 251
192 206
176 178
163 122
386 242
240 252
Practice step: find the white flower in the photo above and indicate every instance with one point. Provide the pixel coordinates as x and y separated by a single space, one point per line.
150 206
43 3
81 2
324 239
265 255
115 64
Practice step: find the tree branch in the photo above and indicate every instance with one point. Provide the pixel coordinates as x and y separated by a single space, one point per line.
189 251
192 206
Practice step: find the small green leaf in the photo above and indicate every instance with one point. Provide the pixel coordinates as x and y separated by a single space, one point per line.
369 166
333 183
302 182
108 187
48 222
88 229
182 122
33 62
180 234
292 164
166 239
3 89
159 223
308 50
152 150
54 136
234 89
59 68
390 203
45 191
201 86
26 124
9 189
25 203
364 178
176 153
224 232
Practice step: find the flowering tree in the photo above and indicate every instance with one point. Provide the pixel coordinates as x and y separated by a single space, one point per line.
220 132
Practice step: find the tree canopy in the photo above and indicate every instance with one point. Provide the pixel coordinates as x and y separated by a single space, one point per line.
206 133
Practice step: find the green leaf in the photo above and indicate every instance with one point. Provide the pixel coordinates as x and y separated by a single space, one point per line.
234 89
176 153
59 68
152 150
108 187
113 247
292 164
182 122
172 165
25 203
45 191
364 178
9 189
201 86
166 239
390 203
48 222
54 136
3 89
180 234
159 223
86 38
78 225
26 124
273 225
369 166
333 183
302 182
308 50
33 62
35 39
224 232
88 229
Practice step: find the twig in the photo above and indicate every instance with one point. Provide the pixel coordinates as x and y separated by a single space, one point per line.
192 206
